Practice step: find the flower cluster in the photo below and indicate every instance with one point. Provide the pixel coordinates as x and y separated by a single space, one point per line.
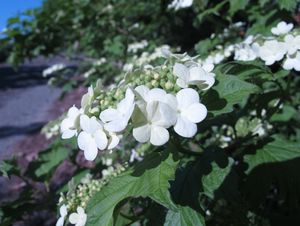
53 69
283 46
145 57
134 47
150 100
94 66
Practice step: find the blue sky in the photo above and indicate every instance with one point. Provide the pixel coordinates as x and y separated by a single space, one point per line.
10 8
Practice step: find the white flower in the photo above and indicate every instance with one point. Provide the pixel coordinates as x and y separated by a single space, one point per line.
292 43
54 68
249 39
152 117
228 50
218 58
79 218
108 171
128 67
92 137
69 126
292 63
194 75
244 52
272 51
87 98
189 111
135 156
99 62
134 47
113 140
63 213
116 120
282 28
180 4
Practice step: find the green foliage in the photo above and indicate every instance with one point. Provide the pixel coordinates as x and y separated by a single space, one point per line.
229 91
277 150
184 216
150 178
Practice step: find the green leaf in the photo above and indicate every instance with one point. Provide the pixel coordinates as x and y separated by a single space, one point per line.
210 11
212 181
278 150
150 178
50 159
13 20
289 5
285 115
184 216
229 91
201 177
8 167
236 5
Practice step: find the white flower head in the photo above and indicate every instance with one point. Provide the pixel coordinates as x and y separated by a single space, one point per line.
189 111
63 213
91 137
292 43
292 63
195 75
282 28
79 218
153 117
272 51
116 120
70 125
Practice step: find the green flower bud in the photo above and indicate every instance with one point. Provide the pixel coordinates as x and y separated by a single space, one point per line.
169 85
156 76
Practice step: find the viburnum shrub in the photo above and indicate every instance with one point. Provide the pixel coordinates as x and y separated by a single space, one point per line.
203 134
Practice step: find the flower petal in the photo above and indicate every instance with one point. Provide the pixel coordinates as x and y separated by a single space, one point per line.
74 218
83 140
185 128
63 210
127 103
67 134
100 139
171 100
181 71
159 135
113 141
181 83
91 152
195 113
142 91
109 114
186 97
66 124
85 123
60 221
73 112
94 125
156 94
196 73
116 126
142 133
161 114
